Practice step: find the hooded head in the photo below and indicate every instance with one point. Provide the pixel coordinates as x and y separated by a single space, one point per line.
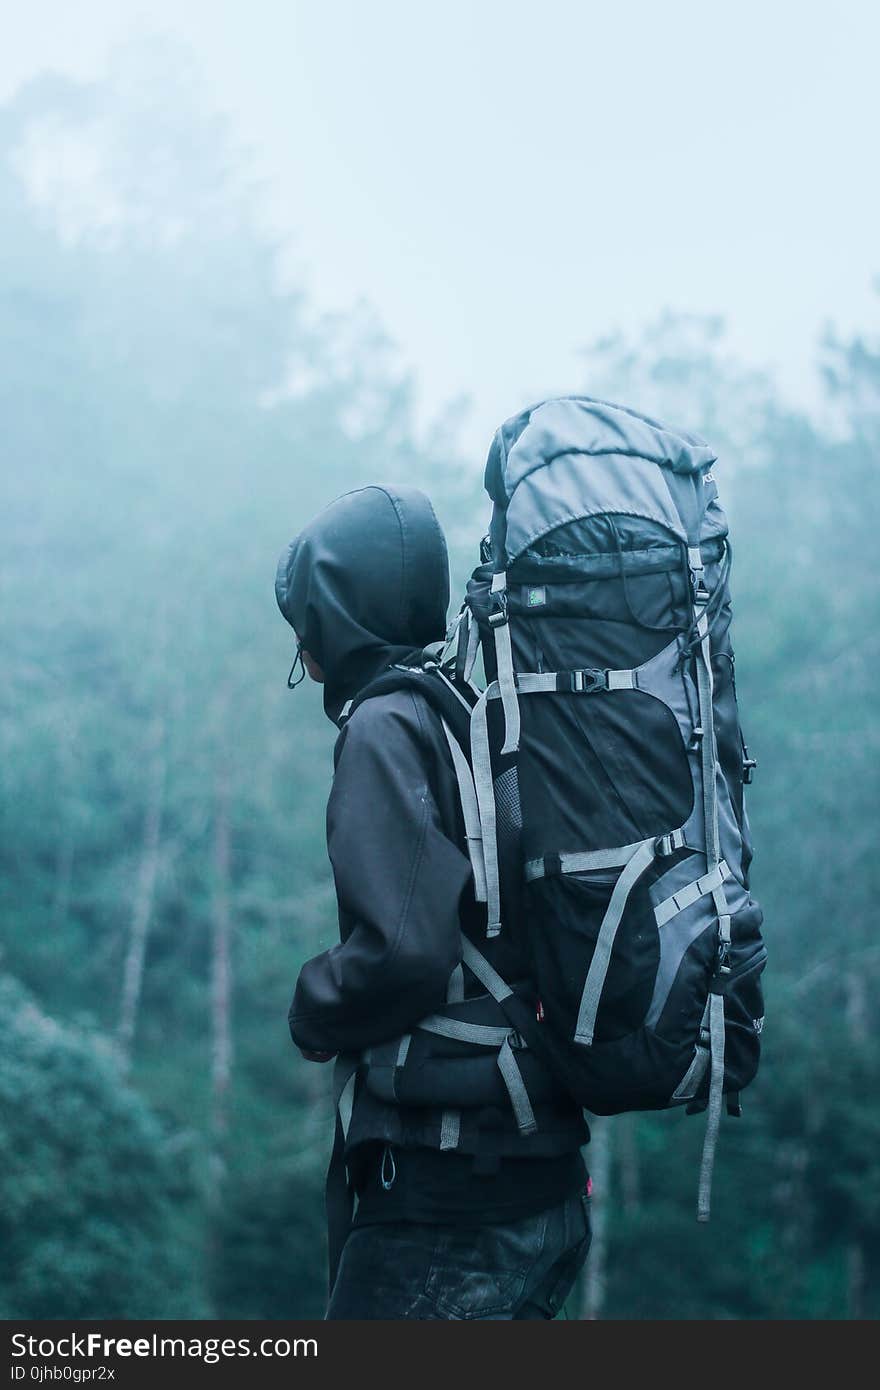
366 584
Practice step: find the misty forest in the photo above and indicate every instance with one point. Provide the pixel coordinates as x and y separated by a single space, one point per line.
173 409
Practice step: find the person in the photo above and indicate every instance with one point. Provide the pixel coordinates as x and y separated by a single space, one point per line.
498 1226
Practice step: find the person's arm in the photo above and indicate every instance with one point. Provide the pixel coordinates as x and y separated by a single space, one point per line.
399 881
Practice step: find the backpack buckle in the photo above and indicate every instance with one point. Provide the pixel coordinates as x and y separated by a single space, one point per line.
749 765
665 845
498 610
585 682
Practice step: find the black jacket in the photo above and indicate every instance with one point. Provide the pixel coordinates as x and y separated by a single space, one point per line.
368 574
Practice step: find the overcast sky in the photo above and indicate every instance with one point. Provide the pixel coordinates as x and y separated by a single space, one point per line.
503 181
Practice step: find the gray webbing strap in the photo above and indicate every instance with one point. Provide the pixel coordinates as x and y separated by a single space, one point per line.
480 967
689 1085
691 893
586 1022
400 1060
473 646
439 675
708 772
720 898
531 683
621 680
481 764
547 682
339 1194
470 812
584 860
504 663
452 635
516 1090
483 1034
450 1129
707 743
455 986
344 1077
713 1119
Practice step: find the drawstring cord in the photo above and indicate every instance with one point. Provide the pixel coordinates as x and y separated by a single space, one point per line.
297 661
388 1170
711 610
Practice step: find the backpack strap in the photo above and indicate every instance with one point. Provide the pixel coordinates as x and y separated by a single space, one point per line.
502 994
481 766
473 646
516 1089
471 813
450 1121
715 876
338 1193
595 982
500 625
713 1117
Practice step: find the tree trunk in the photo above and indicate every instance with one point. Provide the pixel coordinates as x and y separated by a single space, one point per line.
858 1016
145 891
221 978
630 1170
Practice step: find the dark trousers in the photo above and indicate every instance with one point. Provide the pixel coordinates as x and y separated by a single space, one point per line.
519 1269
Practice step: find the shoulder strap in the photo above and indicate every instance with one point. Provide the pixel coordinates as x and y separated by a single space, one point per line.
449 697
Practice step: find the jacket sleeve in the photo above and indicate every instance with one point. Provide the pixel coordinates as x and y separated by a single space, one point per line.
399 880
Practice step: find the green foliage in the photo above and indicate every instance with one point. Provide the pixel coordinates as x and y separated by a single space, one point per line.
95 1216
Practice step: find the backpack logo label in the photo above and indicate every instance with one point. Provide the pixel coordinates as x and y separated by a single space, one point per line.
758 1024
536 597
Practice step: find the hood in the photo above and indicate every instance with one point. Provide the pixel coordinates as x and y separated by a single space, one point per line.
365 585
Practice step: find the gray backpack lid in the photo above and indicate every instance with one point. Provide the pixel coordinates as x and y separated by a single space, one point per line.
636 466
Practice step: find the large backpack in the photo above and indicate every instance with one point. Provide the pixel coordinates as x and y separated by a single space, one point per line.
608 737
602 767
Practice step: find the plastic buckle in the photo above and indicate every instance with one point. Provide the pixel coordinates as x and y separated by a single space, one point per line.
749 765
665 845
499 602
696 738
699 588
585 682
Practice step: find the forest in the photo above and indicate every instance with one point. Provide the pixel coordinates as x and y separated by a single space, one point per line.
172 411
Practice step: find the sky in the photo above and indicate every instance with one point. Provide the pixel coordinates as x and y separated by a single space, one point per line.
504 182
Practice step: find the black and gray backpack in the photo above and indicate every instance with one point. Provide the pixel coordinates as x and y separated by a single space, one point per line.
602 767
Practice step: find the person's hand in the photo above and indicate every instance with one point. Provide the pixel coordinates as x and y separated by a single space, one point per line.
317 1056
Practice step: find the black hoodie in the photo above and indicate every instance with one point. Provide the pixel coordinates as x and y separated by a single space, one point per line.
366 585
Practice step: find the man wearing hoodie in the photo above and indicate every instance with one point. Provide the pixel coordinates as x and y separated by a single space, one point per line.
464 1220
